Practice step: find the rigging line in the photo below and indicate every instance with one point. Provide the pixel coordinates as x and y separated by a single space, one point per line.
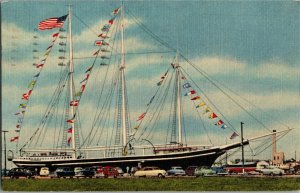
169 118
158 111
29 142
85 24
249 102
205 129
204 74
127 53
232 127
155 113
201 71
272 142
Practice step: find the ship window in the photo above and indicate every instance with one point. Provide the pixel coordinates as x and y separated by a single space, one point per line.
274 157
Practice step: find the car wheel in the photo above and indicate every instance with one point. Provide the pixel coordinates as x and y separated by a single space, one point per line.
160 176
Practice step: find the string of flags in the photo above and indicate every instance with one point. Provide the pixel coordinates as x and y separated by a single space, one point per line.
26 96
206 109
102 45
43 25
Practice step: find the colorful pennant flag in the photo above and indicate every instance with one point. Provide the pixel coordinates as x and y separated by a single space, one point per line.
26 96
186 85
86 78
141 116
37 75
32 83
56 22
212 116
234 135
18 126
70 130
82 87
55 35
71 120
39 65
111 21
150 100
195 98
22 105
224 126
160 82
190 93
69 140
49 47
200 105
220 122
14 139
78 94
74 103
116 11
206 110
103 36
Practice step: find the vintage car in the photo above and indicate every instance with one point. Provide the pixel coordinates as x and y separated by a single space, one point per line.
176 171
64 172
150 172
44 171
84 172
20 172
190 171
270 170
107 171
204 171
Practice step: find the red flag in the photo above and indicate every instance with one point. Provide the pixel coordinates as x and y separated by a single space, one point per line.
70 121
212 116
69 140
111 21
26 95
195 98
70 130
82 87
220 122
234 135
74 103
14 139
39 65
116 11
103 35
141 117
55 35
98 42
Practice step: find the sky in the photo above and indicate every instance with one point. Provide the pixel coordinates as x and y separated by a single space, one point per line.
249 47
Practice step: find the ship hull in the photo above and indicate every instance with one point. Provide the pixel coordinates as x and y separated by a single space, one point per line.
164 161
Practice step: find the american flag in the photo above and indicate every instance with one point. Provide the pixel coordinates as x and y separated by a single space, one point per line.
51 23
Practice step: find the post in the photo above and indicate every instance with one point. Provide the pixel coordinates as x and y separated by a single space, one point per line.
242 141
4 151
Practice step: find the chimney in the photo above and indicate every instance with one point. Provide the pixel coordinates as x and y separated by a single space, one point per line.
274 144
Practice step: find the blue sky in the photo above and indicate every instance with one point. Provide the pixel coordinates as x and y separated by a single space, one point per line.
251 47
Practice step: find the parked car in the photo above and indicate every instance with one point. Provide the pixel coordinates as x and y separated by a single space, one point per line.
176 171
204 171
20 172
190 171
107 171
85 172
220 170
150 172
270 170
64 172
120 171
44 171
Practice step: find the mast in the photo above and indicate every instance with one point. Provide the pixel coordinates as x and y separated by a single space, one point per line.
122 67
71 72
178 100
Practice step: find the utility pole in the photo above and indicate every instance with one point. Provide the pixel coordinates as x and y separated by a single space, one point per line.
242 141
4 132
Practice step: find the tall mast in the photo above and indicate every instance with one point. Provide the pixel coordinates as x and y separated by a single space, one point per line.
122 67
71 72
178 100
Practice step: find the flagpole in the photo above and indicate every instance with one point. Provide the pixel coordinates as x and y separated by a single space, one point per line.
242 139
71 72
124 129
178 101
